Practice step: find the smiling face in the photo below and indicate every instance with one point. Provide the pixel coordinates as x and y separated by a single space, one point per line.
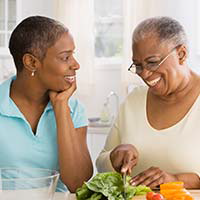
58 69
170 73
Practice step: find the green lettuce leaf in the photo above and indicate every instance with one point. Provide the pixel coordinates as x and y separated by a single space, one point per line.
109 186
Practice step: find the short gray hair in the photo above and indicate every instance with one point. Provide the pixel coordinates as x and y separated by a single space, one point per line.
165 28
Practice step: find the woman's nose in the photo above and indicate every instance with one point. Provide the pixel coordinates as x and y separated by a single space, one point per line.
74 64
145 73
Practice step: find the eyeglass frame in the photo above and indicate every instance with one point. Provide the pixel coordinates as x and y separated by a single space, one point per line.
152 69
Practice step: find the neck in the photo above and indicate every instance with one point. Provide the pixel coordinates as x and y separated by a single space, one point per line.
28 89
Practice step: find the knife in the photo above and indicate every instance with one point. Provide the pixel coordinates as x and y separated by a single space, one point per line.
124 185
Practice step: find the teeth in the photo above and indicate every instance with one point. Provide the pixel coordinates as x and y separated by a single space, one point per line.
70 78
153 82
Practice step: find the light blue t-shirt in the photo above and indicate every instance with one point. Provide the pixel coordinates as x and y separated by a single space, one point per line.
19 147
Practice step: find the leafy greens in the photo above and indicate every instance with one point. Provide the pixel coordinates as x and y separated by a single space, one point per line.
109 186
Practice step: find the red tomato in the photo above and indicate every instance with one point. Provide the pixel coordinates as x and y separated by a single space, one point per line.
157 197
149 195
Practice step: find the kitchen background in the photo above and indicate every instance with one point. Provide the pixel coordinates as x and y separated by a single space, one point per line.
102 31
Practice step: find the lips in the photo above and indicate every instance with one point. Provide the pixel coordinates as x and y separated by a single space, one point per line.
69 78
153 82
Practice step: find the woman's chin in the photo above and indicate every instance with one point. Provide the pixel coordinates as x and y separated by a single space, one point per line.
66 87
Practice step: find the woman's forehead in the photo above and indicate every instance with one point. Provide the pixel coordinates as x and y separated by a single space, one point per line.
151 44
144 50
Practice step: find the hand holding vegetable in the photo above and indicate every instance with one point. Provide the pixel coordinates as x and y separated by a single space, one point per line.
124 157
109 186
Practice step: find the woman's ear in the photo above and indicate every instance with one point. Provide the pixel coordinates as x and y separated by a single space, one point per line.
30 62
182 53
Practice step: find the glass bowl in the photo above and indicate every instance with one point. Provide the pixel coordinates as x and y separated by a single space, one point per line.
27 184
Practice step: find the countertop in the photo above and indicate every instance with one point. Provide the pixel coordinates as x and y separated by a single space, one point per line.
98 130
63 196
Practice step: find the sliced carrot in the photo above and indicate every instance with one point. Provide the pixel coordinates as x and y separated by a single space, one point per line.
181 197
172 185
169 193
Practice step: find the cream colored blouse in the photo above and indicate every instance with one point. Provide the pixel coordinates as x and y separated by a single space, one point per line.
174 150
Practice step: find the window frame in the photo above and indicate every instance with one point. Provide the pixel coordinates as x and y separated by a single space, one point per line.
109 63
4 51
198 28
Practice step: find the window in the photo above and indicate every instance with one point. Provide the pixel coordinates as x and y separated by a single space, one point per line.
197 27
108 31
8 20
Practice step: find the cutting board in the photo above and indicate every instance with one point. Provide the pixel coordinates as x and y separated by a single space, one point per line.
194 193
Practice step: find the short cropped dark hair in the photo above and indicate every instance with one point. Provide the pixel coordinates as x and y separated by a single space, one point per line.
34 35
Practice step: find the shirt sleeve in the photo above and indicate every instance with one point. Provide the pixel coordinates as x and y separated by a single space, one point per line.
103 162
78 114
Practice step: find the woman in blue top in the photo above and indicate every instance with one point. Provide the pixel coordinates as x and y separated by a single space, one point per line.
40 125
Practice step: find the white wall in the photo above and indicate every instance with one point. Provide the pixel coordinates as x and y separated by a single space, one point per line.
105 81
36 7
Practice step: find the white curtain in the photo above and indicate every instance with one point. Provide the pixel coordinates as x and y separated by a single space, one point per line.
77 15
134 11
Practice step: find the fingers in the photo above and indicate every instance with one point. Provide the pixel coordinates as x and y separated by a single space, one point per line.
124 158
62 96
66 94
128 163
72 88
52 95
151 177
157 182
117 160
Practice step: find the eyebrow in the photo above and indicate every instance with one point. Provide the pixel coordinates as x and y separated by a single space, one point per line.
66 51
153 56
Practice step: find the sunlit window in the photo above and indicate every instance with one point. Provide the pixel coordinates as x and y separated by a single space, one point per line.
108 28
7 20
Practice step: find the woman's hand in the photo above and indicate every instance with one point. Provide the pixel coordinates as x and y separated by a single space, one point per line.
63 96
124 157
153 177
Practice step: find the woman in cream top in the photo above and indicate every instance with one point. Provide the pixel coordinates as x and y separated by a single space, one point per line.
156 134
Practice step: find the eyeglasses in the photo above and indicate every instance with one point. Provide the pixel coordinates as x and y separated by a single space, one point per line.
151 66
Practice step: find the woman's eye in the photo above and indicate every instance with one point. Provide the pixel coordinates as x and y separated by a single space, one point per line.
152 63
65 58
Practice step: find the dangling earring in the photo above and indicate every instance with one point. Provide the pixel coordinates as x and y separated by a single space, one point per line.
33 72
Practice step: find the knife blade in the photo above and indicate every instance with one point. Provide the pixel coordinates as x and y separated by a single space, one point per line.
124 185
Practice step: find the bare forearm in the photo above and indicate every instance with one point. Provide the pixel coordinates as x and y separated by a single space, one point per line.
74 159
191 180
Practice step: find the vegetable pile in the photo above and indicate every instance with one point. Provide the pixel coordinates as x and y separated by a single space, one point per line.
175 191
109 186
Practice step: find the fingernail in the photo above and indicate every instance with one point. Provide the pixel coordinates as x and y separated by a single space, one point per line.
123 170
133 183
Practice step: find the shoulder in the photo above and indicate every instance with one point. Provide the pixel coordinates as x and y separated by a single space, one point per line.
137 95
5 85
4 93
78 113
134 103
75 104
